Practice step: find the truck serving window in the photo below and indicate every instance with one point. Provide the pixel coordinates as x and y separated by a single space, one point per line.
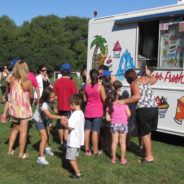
148 43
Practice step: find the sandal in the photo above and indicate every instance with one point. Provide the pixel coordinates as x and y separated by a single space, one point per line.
11 153
25 156
123 161
143 160
113 160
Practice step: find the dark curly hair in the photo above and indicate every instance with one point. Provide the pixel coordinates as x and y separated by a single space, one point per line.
111 97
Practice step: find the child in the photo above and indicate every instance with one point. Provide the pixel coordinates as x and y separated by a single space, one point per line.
76 133
64 88
118 115
42 119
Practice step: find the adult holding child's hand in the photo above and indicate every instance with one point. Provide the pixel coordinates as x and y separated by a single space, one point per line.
146 108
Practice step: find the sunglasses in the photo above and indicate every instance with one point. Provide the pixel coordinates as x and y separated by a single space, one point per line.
44 70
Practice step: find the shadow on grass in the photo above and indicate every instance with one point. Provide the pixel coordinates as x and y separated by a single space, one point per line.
168 138
55 135
65 163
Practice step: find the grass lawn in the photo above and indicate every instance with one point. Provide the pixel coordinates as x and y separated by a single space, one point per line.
168 167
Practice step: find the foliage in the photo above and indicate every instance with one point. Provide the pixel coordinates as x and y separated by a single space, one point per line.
48 40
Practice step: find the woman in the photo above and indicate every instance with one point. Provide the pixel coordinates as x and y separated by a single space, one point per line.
42 79
3 76
146 108
21 90
95 96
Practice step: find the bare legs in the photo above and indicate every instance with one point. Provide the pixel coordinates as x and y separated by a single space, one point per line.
122 139
86 139
114 144
22 129
94 140
43 142
147 145
74 165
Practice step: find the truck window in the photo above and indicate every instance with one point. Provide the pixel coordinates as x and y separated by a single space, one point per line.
148 43
171 44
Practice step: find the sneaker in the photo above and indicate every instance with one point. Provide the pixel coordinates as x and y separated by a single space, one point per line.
42 161
3 119
123 161
76 176
48 151
88 152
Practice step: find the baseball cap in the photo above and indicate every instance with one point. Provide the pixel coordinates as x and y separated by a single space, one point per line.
13 63
65 66
106 73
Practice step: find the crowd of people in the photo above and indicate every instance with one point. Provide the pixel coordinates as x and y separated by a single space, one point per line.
97 117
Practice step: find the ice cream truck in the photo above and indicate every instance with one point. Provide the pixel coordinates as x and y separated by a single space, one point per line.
155 37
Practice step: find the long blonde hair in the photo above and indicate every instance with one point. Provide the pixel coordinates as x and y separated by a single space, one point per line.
21 70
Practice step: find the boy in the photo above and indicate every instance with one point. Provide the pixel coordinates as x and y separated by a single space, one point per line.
64 88
75 138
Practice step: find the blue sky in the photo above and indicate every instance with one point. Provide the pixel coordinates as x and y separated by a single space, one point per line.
24 10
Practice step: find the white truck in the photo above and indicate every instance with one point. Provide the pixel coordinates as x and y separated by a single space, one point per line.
154 36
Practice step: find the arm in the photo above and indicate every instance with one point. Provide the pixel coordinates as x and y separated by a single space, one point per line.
31 92
135 94
51 116
84 97
38 94
102 92
151 78
55 110
107 116
9 78
128 111
65 124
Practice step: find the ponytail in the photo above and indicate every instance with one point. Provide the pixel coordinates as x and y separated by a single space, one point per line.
94 77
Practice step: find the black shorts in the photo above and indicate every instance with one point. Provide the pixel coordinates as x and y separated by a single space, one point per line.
147 120
62 113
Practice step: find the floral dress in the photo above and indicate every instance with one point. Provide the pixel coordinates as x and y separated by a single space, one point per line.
19 102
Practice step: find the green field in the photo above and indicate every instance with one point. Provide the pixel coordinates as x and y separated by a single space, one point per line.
168 167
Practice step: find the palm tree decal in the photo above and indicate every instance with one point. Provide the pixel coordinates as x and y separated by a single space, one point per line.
98 59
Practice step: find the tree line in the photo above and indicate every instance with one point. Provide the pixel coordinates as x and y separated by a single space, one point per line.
48 40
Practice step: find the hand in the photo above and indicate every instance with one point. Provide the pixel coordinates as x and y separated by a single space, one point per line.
120 102
147 71
55 110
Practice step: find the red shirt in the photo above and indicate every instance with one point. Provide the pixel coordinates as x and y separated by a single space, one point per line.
64 88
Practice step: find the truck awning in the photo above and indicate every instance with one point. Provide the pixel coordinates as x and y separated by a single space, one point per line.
151 16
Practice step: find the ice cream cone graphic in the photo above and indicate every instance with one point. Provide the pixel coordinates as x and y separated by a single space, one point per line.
180 110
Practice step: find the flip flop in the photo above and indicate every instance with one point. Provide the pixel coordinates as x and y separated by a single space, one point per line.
25 156
143 160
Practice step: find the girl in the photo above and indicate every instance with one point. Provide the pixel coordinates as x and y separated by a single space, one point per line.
21 90
42 119
118 115
94 96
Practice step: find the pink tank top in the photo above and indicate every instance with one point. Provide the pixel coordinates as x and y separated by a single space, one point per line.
94 106
119 114
19 103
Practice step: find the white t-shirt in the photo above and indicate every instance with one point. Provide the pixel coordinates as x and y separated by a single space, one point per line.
76 136
39 115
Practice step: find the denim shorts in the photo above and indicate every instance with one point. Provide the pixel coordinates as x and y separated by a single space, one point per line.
42 125
93 124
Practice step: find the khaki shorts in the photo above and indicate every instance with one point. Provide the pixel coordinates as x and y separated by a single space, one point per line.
72 153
